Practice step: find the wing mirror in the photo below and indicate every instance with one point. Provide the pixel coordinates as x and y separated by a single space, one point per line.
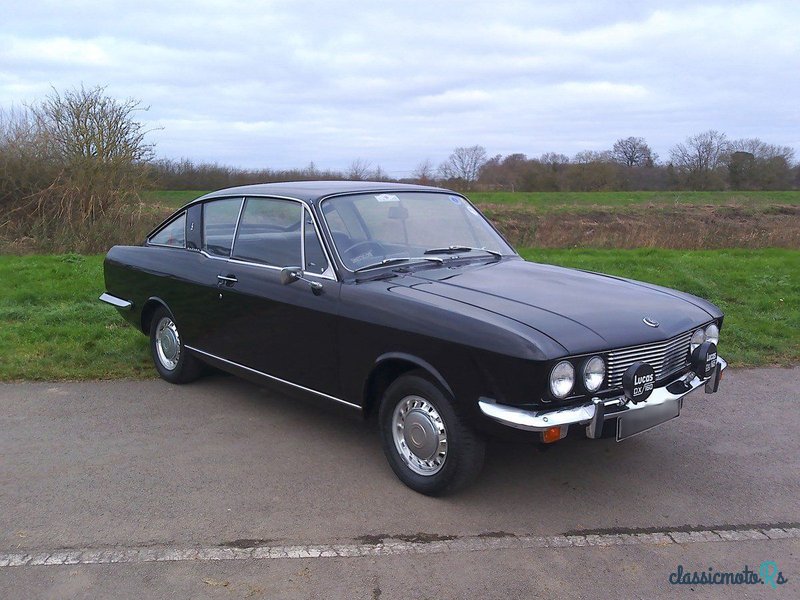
292 274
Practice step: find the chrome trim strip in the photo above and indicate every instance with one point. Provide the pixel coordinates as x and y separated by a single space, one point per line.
235 227
116 302
541 420
267 375
303 238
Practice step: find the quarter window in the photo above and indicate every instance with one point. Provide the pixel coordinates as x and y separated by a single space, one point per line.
172 234
269 232
219 225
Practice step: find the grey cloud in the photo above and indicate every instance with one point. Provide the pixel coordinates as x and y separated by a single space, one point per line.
282 83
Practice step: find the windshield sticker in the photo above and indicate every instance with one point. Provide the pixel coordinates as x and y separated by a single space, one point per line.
455 200
387 198
471 210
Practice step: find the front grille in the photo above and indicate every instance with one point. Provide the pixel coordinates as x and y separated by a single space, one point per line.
665 357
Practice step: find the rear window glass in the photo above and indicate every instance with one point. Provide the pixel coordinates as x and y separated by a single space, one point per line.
172 234
219 224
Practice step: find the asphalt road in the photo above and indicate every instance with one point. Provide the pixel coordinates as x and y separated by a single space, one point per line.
222 489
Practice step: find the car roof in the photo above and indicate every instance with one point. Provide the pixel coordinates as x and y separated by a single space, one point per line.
313 191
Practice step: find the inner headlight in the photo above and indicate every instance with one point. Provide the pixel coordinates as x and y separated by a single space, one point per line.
562 379
698 337
712 333
594 371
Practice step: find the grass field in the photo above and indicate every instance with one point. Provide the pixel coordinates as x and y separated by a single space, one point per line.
544 201
575 200
53 327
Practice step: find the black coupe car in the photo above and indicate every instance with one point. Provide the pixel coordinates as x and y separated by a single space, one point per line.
403 301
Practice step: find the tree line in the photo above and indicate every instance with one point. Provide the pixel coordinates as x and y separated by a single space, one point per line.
73 167
705 161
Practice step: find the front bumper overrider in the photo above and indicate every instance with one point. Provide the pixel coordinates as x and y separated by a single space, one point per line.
663 402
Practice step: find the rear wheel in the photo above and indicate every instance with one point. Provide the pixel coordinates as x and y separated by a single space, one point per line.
170 357
428 445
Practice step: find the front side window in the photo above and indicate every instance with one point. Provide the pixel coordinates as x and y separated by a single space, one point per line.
368 228
172 234
269 232
219 224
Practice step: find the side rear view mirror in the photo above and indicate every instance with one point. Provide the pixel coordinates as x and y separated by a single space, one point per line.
292 274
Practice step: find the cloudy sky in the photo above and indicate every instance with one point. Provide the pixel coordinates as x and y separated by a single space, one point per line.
279 84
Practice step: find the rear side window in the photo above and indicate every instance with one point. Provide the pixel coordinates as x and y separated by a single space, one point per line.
172 234
269 232
219 225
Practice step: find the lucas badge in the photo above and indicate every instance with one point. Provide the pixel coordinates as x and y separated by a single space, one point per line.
638 382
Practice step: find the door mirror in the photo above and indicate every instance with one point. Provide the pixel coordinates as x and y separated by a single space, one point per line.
291 274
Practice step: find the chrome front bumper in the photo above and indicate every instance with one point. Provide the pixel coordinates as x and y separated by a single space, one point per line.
592 414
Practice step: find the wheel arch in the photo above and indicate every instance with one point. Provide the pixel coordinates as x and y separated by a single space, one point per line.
389 367
149 307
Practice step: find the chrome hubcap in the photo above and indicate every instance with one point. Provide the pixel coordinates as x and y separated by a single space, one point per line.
168 344
419 435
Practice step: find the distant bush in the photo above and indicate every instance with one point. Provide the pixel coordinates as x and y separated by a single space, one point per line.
71 170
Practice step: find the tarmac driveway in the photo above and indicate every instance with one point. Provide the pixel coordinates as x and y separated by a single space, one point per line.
223 489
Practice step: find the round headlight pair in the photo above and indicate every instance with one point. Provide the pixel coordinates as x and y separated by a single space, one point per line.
709 334
562 377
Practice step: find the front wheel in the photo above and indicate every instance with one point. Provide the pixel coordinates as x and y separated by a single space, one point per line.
170 357
428 445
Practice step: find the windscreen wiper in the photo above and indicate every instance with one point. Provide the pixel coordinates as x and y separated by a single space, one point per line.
397 259
455 249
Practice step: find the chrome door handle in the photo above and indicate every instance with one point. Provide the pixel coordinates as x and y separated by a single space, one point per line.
226 279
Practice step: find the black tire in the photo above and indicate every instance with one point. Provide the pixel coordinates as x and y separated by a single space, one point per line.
465 449
186 368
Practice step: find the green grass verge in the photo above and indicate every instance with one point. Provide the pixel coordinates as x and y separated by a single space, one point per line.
561 200
556 200
173 198
53 327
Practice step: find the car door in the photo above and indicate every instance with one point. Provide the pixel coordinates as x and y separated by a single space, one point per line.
287 331
213 225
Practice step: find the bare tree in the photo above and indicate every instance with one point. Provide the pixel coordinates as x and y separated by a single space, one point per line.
464 163
633 152
756 165
425 172
359 169
89 157
592 156
99 145
554 159
378 174
699 158
762 150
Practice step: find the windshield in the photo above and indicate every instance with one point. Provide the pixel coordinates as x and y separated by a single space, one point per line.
368 229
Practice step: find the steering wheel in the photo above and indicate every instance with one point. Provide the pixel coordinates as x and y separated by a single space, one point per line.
353 250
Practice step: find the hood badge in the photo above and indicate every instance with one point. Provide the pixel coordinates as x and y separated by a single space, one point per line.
650 322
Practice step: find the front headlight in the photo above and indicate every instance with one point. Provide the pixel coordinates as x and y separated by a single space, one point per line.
712 334
594 371
562 379
698 337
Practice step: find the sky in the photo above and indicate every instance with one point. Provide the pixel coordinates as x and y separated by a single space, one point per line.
280 84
